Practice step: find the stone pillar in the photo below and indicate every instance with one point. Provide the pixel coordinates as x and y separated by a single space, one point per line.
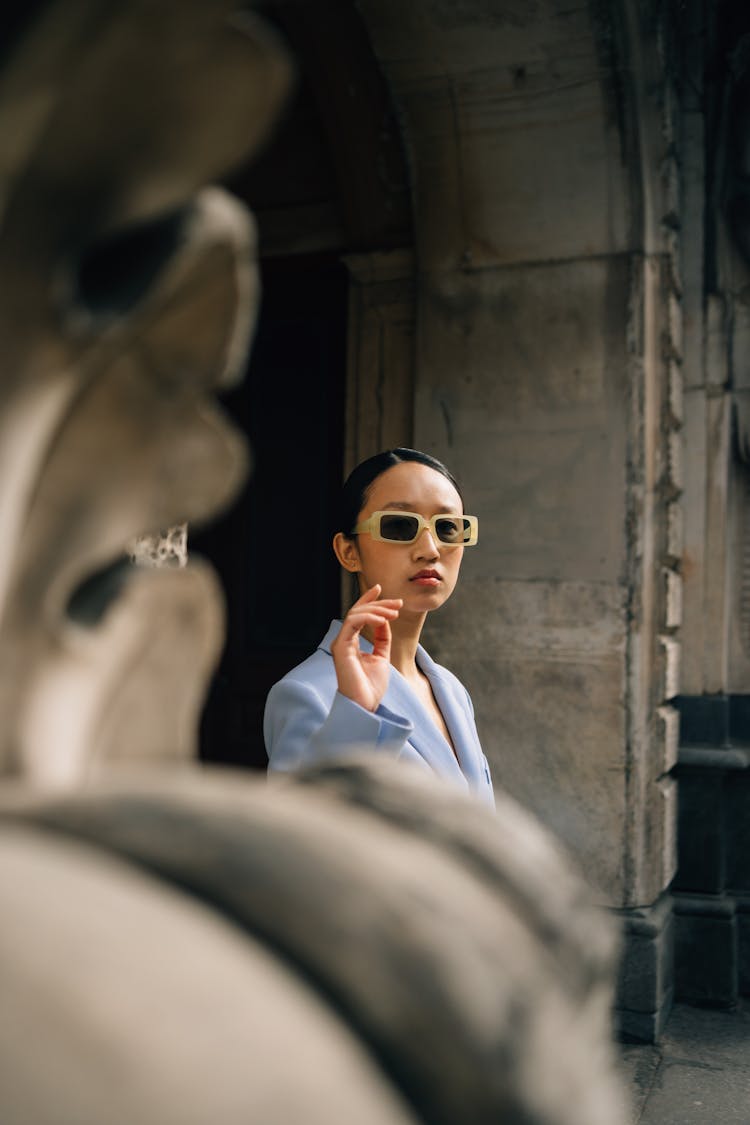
380 378
548 378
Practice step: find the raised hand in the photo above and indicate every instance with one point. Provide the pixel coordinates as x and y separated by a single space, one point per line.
363 676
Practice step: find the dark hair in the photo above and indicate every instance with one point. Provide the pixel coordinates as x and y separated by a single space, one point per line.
357 485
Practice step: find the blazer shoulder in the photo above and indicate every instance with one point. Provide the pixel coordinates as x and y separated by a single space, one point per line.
317 670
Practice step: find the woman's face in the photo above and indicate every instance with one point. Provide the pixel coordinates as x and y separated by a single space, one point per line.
423 573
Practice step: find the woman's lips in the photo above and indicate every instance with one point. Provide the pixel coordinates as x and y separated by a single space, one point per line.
426 578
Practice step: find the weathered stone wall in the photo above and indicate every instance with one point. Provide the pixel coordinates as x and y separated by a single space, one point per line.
547 343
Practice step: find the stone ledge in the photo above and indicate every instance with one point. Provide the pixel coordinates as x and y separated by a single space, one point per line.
714 906
714 757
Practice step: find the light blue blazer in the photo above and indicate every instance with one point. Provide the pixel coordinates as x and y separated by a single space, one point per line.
307 719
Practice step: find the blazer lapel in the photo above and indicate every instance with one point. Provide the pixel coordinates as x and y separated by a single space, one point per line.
426 739
458 721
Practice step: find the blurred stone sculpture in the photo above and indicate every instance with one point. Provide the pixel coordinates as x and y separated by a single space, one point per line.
355 944
128 298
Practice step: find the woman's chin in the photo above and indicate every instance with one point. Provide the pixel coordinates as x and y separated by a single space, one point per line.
421 601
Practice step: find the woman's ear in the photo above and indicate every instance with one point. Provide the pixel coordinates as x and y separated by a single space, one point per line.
346 552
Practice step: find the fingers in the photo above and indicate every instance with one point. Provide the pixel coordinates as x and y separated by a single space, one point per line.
377 615
381 640
371 610
361 675
372 595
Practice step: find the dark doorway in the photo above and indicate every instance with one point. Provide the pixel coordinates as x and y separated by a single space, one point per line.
273 549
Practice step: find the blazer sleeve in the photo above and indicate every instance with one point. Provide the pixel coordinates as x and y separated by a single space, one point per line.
300 728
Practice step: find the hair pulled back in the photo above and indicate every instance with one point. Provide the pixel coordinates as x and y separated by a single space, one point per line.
357 485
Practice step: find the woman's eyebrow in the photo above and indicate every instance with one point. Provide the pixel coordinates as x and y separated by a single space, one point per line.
409 506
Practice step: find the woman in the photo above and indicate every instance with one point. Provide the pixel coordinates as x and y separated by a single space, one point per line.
370 684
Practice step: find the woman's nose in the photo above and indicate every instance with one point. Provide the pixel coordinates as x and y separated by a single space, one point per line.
426 545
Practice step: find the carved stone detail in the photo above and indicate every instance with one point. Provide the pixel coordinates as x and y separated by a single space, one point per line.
168 548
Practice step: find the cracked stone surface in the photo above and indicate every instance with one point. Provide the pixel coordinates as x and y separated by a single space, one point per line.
700 1071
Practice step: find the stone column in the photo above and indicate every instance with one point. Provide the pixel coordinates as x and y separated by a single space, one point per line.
548 378
380 378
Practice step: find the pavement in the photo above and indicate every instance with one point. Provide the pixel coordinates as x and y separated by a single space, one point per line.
698 1074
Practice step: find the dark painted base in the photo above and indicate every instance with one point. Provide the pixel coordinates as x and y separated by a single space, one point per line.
694 945
712 949
712 886
645 987
714 720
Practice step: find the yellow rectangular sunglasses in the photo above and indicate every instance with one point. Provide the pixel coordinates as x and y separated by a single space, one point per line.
406 527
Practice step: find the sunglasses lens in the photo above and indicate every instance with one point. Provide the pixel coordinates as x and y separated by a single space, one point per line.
452 529
399 529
